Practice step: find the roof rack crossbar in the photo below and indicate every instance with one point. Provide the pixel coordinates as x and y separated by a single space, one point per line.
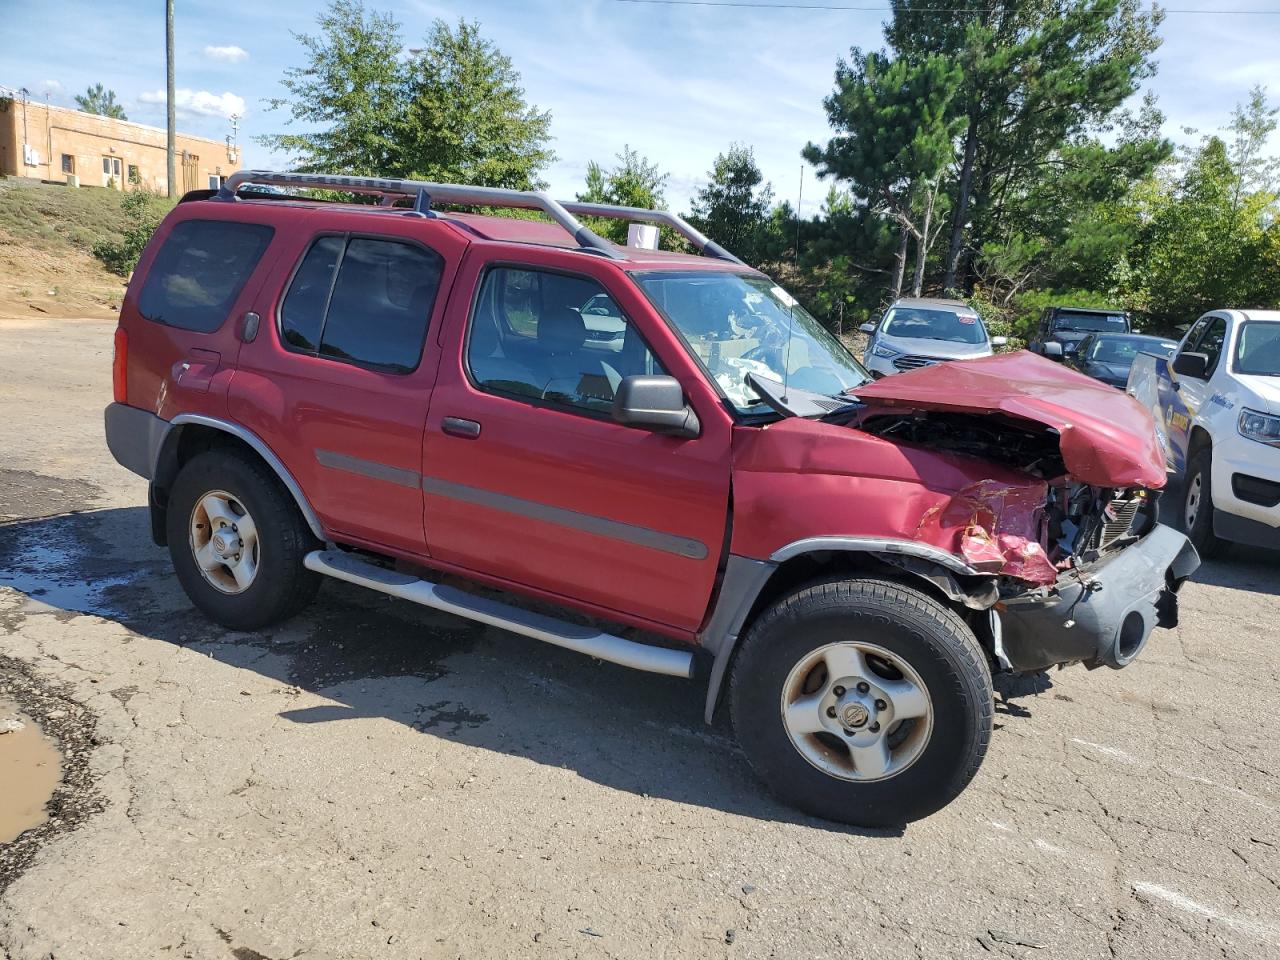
663 218
424 194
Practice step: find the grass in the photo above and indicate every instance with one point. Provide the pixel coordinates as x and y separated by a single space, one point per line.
48 216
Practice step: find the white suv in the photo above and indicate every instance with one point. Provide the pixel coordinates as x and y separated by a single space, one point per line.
917 332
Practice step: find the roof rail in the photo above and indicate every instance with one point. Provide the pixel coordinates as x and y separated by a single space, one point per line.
424 193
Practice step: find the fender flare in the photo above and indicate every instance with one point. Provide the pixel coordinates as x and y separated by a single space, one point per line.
744 579
164 465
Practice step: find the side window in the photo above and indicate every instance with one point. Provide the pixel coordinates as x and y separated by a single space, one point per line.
362 300
1211 343
200 271
1193 335
548 336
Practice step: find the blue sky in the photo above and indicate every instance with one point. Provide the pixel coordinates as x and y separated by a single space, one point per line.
678 83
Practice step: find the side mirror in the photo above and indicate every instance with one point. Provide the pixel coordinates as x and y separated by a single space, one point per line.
1053 349
657 404
1192 365
868 328
999 341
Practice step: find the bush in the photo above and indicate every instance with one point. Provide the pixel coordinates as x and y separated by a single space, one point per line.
143 213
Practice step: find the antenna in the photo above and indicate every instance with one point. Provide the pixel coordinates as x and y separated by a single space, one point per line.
791 308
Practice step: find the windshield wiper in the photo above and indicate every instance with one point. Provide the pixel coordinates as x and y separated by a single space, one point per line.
797 402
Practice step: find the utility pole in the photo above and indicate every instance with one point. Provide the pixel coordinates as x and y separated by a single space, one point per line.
168 63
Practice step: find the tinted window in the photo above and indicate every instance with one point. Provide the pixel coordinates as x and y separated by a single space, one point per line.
923 324
553 337
1211 343
374 313
199 272
302 313
1069 321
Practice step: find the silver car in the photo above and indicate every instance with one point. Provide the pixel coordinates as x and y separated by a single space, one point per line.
918 332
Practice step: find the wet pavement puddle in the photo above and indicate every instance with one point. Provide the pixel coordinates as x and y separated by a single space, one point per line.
30 768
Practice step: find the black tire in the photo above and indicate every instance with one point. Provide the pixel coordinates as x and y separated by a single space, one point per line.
1200 532
282 585
928 636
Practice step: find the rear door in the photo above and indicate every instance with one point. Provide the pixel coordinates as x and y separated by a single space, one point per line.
528 479
199 275
339 378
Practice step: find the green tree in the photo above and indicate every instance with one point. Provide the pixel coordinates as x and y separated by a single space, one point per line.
467 120
452 112
895 125
1035 74
634 182
100 101
350 90
733 207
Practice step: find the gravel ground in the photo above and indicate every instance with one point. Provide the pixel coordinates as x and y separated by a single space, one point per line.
374 779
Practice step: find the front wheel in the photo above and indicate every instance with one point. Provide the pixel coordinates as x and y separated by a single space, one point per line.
862 701
1197 505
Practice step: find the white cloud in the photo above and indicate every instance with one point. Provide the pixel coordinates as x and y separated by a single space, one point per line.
230 54
199 103
51 88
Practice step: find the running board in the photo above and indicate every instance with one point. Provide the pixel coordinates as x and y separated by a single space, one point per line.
604 646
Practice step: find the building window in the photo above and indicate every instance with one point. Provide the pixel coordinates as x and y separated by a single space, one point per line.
68 163
215 181
135 175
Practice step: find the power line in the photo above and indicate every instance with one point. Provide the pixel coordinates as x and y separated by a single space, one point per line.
883 7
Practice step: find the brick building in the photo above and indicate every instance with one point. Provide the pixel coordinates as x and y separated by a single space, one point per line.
54 143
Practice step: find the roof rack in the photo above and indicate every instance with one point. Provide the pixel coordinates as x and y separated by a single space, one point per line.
424 194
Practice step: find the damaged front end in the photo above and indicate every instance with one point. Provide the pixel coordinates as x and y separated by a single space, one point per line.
1084 570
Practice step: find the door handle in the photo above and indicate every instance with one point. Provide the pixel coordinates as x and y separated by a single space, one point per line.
458 427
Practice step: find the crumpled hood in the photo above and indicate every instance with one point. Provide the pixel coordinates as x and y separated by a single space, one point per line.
1106 437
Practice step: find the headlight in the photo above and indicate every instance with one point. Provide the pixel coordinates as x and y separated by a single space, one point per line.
887 353
1262 427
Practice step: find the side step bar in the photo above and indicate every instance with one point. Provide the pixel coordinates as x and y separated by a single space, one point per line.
604 646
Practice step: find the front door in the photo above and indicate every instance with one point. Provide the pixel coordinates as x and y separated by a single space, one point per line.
1190 393
340 374
530 481
111 172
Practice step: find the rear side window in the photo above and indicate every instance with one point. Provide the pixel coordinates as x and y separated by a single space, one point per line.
362 300
199 272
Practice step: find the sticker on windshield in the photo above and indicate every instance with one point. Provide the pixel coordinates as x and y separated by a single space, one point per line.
785 297
968 321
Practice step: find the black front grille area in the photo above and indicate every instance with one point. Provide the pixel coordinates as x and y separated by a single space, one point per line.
914 361
1264 493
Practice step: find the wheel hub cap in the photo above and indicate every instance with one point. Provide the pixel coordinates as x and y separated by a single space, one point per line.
224 542
857 711
855 715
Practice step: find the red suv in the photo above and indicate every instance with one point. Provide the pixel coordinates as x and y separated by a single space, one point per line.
386 393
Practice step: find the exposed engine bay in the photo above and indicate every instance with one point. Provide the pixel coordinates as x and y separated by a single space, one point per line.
1031 532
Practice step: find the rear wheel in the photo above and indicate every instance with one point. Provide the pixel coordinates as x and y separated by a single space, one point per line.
862 701
1197 505
237 541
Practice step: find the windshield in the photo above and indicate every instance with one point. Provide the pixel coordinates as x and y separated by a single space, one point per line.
922 324
1258 349
1122 350
738 324
1113 322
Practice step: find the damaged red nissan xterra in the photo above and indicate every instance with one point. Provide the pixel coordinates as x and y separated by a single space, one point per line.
392 394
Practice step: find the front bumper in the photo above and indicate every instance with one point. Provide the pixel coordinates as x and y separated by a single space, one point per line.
1100 615
1232 455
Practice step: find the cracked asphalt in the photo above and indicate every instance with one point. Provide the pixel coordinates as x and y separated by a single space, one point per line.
376 780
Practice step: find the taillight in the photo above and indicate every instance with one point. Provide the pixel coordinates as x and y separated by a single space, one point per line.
120 366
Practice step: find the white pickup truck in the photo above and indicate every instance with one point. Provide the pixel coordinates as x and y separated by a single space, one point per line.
1216 404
